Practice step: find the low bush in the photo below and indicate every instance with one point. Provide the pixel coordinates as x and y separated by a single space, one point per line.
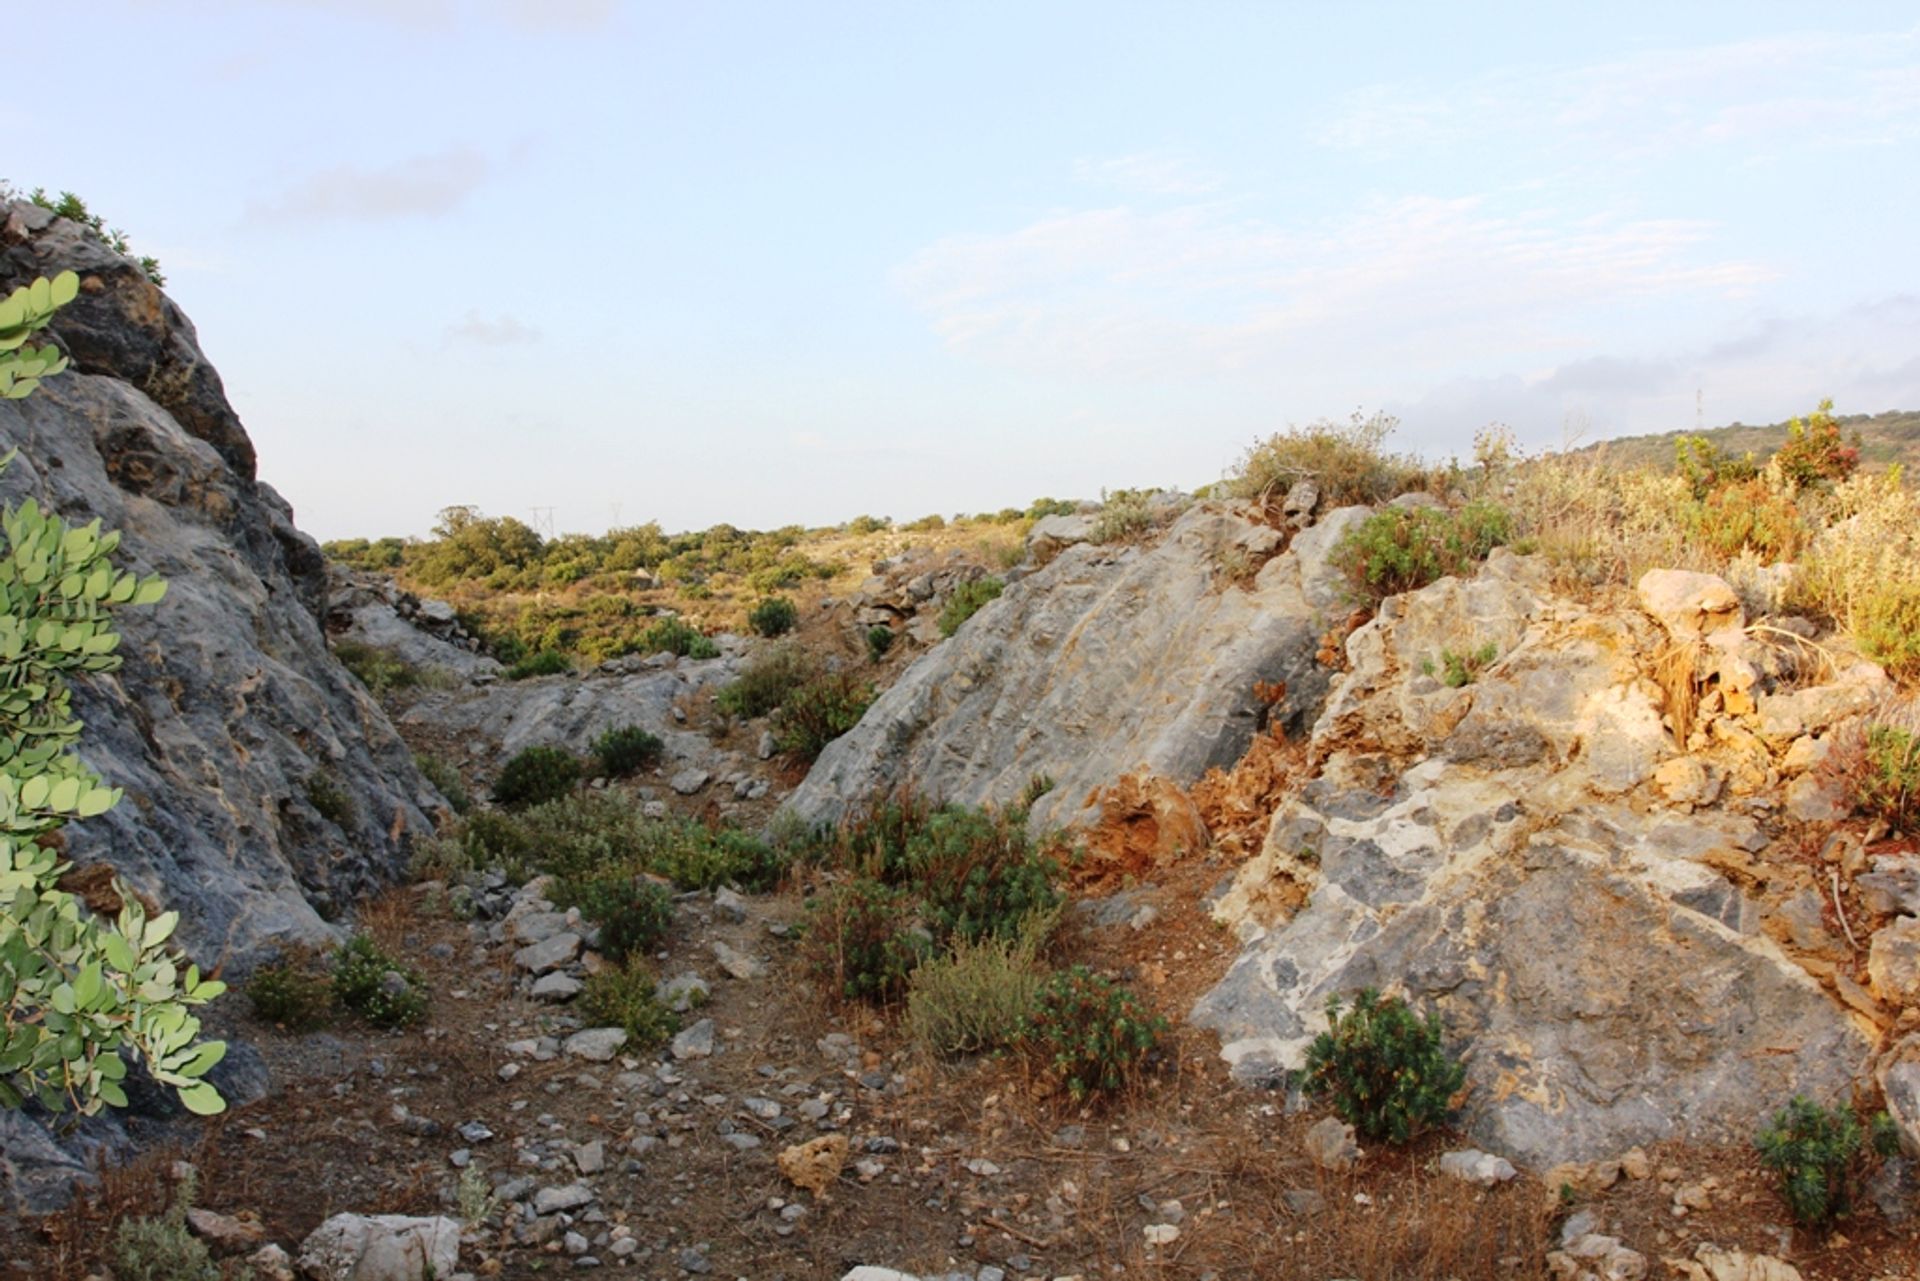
774 616
632 912
1348 461
670 635
1748 516
627 998
966 601
978 873
447 781
1403 549
1387 1070
765 682
1124 515
978 996
697 857
1821 1157
162 1248
537 776
879 641
1863 570
546 662
381 671
820 710
291 995
1886 779
861 941
626 750
376 987
1094 1034
1814 453
331 800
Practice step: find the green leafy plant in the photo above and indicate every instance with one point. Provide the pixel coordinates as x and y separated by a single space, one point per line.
1387 1070
23 313
332 801
1886 783
162 1247
74 208
879 641
1814 452
968 599
697 857
627 997
1402 549
75 989
626 750
1124 515
670 635
1457 671
535 776
546 662
820 710
774 616
376 987
632 912
1095 1034
978 873
860 940
381 671
1821 1157
291 995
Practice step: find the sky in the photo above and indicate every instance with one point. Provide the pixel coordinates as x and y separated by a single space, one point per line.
596 262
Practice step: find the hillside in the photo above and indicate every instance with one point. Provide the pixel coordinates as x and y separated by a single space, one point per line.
1886 439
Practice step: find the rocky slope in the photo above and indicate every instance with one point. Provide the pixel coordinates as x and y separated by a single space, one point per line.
230 717
1106 660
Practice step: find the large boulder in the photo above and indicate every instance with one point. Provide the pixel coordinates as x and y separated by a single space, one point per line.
1105 661
1504 852
265 791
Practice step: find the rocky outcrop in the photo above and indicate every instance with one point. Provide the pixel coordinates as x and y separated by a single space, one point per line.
1105 661
426 635
1506 852
265 791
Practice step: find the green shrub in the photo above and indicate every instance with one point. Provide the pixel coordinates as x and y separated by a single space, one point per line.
1814 452
1748 516
633 913
1887 625
1041 508
381 671
966 601
819 711
879 641
765 682
375 987
77 989
547 662
291 996
628 998
446 780
333 802
1347 461
1095 1034
1456 671
774 616
1820 1157
670 635
697 857
162 1248
926 524
860 940
537 776
978 873
978 996
1705 467
626 750
1123 515
495 839
1037 786
1388 1073
868 524
1403 549
1887 782
71 207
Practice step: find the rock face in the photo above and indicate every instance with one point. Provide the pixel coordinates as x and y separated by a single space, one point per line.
230 716
265 790
1105 661
371 610
1503 852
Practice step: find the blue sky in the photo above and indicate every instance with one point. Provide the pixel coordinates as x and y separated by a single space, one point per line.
777 263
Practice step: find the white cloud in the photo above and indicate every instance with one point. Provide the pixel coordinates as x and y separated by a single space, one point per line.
1422 283
492 331
425 186
1823 87
1156 173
